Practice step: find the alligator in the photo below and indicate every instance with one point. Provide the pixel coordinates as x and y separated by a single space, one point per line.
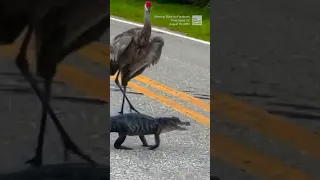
137 124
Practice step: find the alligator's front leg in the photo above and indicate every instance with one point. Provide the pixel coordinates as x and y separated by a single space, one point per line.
157 139
144 141
119 141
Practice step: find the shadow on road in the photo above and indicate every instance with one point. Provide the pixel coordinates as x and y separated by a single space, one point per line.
116 89
61 172
200 96
84 100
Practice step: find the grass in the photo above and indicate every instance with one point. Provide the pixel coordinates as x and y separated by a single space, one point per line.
133 10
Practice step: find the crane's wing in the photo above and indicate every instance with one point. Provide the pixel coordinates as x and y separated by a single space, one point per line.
152 57
118 46
155 52
121 42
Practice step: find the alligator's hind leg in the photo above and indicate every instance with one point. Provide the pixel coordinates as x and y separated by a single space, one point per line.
119 141
144 141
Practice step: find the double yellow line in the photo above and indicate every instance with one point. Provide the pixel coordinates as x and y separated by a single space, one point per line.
224 106
101 53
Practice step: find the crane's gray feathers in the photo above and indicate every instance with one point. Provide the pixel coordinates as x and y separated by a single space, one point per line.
119 45
152 58
121 42
156 50
130 32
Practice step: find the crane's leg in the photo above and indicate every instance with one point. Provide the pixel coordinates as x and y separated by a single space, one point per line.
37 159
124 95
22 64
131 107
125 80
123 98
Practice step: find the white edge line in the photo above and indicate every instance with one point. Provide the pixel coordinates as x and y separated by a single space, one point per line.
162 31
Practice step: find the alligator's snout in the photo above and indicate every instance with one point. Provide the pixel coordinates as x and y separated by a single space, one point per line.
172 127
178 122
172 124
184 123
181 128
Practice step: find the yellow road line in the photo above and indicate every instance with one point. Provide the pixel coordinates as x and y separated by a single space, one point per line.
224 144
72 76
226 106
168 102
96 54
251 160
92 85
181 95
99 53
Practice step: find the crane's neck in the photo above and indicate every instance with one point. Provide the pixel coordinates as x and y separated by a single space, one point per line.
147 21
146 30
147 18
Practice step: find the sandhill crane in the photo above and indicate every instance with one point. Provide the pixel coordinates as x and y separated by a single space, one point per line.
132 51
61 27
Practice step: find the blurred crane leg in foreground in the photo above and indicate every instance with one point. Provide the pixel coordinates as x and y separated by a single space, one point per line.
93 33
22 64
53 43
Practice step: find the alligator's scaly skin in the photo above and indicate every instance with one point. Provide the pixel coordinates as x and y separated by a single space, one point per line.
137 124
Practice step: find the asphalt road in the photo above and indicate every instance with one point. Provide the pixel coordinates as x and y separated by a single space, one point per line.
183 67
265 82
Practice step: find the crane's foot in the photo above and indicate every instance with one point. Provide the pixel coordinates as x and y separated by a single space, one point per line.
36 161
69 145
132 108
121 112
